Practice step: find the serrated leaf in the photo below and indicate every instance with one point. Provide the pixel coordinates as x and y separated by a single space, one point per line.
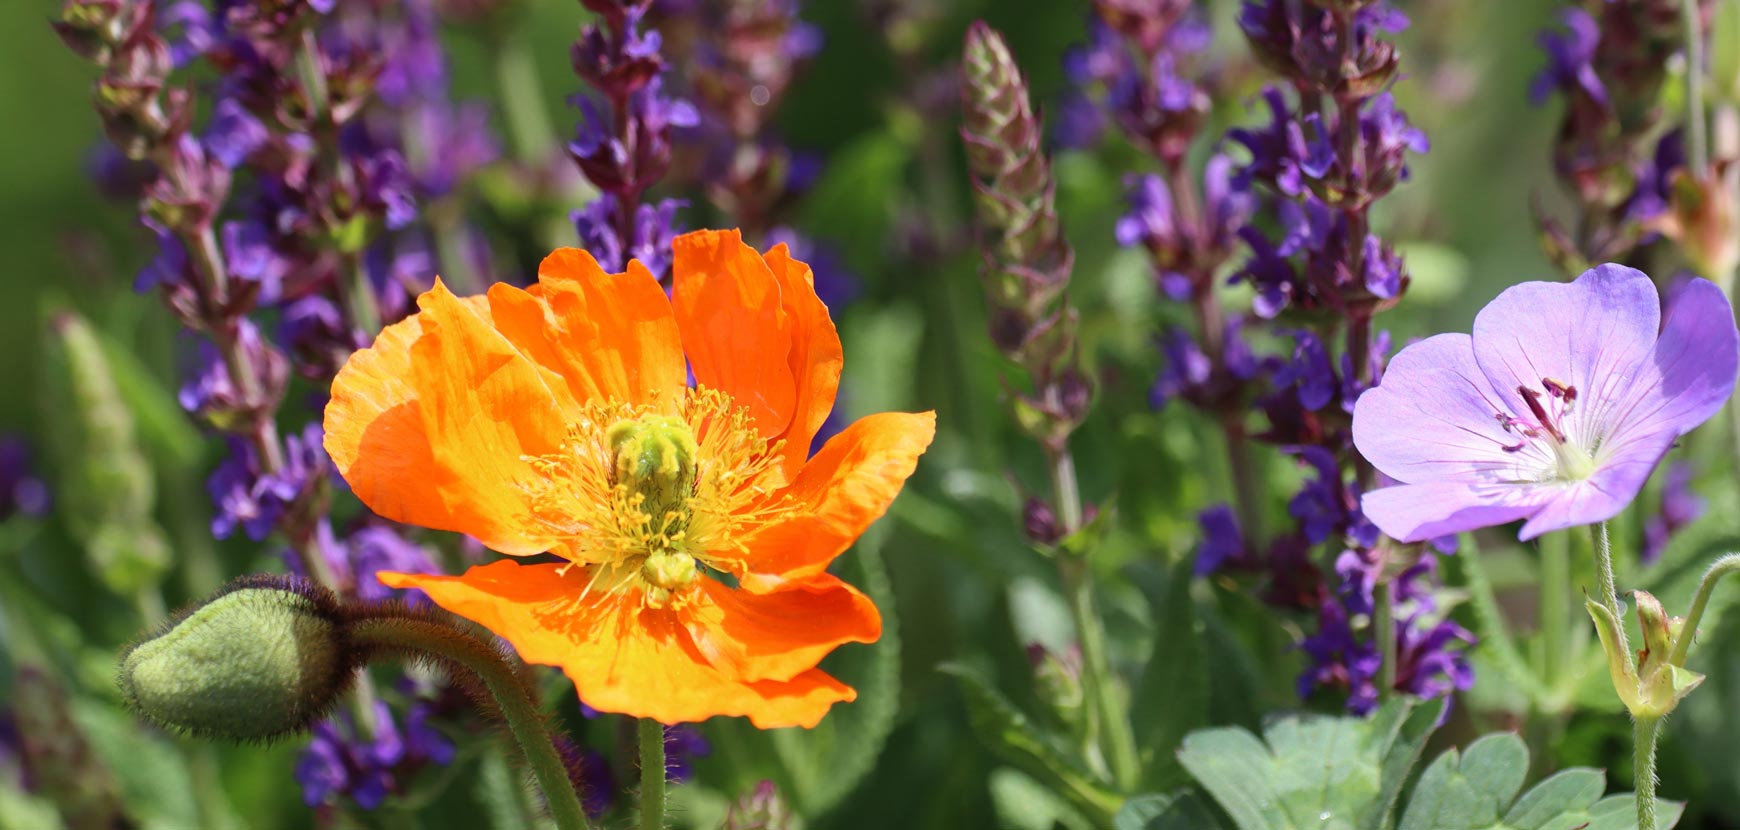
1172 811
1477 790
1334 773
1017 741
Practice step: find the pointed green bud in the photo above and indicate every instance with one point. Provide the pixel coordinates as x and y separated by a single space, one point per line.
105 488
266 656
1648 683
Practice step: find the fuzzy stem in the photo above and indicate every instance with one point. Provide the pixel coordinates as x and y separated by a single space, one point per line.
1554 608
1718 569
1644 732
1696 152
1603 551
1117 739
652 774
518 706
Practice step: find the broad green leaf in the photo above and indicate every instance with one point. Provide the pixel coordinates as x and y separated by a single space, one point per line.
1017 741
1333 773
1477 790
153 775
20 810
1172 696
1173 811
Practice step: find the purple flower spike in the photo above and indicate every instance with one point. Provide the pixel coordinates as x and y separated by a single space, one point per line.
1555 410
1570 59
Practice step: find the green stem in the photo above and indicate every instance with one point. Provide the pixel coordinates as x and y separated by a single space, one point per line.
652 774
522 100
1603 551
1494 633
1554 605
1696 135
1720 568
1104 711
357 296
1384 621
518 704
1645 731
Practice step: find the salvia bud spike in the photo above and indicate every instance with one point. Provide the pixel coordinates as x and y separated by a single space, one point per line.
266 656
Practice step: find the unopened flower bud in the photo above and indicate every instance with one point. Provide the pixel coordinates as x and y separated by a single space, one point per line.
1701 219
1649 683
264 657
762 809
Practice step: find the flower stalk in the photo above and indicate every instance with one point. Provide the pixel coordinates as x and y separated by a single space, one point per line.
652 774
1644 733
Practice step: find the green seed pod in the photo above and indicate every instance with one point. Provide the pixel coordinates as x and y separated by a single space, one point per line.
104 488
264 657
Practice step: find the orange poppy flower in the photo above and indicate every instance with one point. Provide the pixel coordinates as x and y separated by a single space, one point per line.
696 528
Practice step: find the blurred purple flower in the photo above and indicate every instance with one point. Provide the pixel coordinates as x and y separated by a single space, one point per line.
252 500
1222 540
211 395
22 492
683 744
1555 410
1680 506
835 285
1570 59
339 762
655 227
1309 370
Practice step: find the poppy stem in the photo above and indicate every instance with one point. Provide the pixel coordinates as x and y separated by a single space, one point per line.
652 774
1644 733
519 706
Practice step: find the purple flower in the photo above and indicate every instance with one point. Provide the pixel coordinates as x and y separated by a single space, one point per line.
835 284
377 548
654 228
1555 410
252 500
1680 506
1321 505
21 491
340 762
683 744
1310 370
1186 370
1276 151
1222 540
212 396
1570 59
233 133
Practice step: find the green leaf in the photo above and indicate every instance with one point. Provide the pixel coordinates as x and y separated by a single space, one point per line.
1173 811
823 764
1025 804
1172 696
1334 773
1477 790
1013 737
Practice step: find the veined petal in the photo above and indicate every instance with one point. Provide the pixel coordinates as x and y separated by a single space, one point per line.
781 634
431 423
608 336
844 488
815 359
1691 374
621 658
1433 418
1417 512
735 329
1597 334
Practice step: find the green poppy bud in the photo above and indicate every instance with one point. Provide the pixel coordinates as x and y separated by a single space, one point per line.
264 657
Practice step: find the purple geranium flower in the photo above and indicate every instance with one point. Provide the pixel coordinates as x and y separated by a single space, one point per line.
1555 410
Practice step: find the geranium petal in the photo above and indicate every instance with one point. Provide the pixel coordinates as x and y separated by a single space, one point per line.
608 336
431 424
623 659
781 634
1418 512
1692 373
1596 333
735 329
845 487
816 356
1433 418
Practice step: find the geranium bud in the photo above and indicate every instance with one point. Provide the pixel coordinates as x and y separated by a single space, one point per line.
264 657
1648 683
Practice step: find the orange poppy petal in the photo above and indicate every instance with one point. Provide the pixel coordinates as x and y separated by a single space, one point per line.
429 424
609 336
844 488
815 359
735 328
621 658
781 634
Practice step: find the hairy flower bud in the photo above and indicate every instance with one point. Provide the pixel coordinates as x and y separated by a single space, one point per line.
264 657
1649 683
